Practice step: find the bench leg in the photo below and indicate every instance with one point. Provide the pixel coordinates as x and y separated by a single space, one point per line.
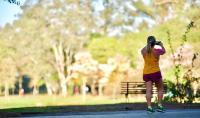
127 99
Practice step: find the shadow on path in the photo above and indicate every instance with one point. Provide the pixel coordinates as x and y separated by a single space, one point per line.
52 110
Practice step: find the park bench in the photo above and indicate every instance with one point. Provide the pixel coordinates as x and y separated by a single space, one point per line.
137 88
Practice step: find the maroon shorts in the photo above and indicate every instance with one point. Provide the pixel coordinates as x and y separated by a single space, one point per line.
154 77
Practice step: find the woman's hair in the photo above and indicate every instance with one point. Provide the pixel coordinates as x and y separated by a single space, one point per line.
151 40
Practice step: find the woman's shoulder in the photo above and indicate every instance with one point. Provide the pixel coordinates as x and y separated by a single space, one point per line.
144 50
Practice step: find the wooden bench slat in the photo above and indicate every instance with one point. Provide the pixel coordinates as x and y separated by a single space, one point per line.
137 88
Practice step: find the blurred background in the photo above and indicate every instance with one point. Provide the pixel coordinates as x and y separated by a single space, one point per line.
60 52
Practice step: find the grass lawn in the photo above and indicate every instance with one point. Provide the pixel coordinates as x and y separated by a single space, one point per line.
56 100
30 105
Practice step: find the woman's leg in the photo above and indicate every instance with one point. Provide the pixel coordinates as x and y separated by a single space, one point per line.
148 92
159 85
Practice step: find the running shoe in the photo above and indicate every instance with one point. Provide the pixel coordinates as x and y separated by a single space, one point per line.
160 108
150 110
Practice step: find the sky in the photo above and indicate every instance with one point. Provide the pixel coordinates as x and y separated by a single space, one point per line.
9 11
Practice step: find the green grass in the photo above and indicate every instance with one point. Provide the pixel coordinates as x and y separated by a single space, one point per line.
30 105
55 100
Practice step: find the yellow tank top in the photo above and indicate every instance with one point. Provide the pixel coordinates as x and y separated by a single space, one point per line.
151 63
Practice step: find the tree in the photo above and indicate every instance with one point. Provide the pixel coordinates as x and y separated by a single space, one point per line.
67 22
13 2
121 66
85 70
8 74
74 27
117 16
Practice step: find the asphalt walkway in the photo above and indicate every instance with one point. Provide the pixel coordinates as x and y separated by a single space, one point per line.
184 113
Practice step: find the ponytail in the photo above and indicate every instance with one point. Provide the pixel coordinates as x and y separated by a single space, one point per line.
148 48
150 43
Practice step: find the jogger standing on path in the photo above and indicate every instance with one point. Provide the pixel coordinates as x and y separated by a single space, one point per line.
151 72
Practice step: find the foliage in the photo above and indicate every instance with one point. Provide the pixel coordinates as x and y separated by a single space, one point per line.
181 91
29 40
78 26
103 48
13 2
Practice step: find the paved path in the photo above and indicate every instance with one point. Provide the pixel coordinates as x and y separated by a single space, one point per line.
187 113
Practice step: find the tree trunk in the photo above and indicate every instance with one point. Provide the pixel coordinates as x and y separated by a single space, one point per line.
60 67
114 91
35 90
49 90
100 89
6 91
83 88
63 84
19 77
93 90
64 88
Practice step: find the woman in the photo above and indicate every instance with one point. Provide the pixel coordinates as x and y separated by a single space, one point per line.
151 72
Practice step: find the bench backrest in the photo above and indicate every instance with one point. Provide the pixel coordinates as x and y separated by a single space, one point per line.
137 88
